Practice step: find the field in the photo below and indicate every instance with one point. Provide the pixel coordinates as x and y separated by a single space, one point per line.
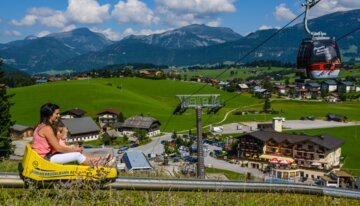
128 197
350 149
227 74
132 96
156 98
291 109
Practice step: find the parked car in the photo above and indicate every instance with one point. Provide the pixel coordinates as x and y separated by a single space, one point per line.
312 118
123 148
217 152
133 145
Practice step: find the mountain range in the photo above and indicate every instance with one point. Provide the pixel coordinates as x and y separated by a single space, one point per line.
82 49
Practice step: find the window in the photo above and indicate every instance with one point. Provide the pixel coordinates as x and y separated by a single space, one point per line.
321 156
311 147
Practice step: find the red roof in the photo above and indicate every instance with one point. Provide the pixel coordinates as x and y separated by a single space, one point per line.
111 111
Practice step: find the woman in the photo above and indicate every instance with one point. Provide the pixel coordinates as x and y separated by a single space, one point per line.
47 145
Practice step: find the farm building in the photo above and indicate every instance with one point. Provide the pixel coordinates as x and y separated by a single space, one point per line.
149 124
108 116
72 113
135 161
20 131
81 129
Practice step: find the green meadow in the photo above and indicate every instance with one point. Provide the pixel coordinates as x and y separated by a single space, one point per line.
157 98
293 109
132 96
226 74
349 150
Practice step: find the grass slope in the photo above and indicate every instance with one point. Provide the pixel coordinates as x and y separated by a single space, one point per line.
295 109
350 149
136 96
237 72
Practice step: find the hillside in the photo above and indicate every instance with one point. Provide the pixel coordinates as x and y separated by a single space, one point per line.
187 37
136 96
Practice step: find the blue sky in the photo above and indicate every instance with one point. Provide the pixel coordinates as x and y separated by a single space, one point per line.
119 18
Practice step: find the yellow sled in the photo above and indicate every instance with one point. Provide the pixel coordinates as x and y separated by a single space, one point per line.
36 168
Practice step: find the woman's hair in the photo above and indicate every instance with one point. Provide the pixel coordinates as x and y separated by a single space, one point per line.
46 111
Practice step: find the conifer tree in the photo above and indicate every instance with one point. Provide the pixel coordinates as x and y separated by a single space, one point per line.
5 119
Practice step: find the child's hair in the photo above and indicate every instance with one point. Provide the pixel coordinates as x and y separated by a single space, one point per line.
59 131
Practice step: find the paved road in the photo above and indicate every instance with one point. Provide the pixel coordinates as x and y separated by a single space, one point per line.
154 146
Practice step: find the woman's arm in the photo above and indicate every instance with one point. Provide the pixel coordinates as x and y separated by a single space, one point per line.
48 133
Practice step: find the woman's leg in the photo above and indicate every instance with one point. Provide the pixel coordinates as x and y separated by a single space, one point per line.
69 157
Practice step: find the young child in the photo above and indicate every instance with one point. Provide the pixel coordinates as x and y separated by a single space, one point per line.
62 134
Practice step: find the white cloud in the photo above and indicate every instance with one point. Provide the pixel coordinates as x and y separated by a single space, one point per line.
108 33
28 20
12 33
181 13
57 20
266 27
198 6
215 23
44 16
134 11
69 27
87 11
330 6
130 31
283 13
43 33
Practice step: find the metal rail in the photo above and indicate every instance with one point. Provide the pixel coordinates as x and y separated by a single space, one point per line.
12 180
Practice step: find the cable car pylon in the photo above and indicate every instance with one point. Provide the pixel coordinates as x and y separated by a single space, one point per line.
197 102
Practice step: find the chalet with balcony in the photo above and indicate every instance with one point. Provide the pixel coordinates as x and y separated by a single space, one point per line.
128 127
108 116
303 154
72 113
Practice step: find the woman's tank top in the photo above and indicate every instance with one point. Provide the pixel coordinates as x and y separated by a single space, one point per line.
40 144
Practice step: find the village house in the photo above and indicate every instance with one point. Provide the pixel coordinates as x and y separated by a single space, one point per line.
280 89
346 87
260 92
21 131
107 116
149 124
72 113
135 161
329 86
290 155
223 85
243 87
338 179
81 129
150 73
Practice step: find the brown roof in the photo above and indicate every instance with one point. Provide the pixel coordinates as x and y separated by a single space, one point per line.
76 111
342 174
107 111
139 122
324 140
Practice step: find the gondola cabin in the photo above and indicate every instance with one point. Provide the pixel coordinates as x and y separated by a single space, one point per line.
318 59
